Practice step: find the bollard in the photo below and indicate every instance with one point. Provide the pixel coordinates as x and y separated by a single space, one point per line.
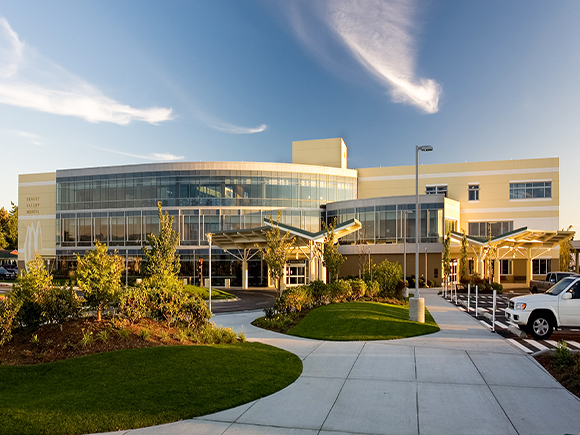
468 296
476 302
493 314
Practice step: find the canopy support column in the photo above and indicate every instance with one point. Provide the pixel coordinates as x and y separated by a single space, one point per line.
529 275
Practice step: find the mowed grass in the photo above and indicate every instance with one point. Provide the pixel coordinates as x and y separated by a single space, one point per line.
362 321
204 292
142 387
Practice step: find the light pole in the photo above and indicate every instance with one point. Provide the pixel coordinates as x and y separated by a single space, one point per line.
209 237
416 303
405 226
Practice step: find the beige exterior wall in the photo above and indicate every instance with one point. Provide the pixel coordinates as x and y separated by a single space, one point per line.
36 216
321 152
494 180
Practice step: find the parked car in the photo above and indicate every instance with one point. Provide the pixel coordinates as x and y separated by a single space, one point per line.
5 274
539 286
539 315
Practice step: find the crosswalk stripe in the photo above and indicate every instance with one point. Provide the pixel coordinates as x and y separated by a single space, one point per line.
552 342
535 344
573 343
520 346
501 325
461 308
485 324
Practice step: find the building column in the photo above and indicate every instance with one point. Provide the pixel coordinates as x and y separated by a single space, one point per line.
321 270
245 274
480 269
529 275
496 271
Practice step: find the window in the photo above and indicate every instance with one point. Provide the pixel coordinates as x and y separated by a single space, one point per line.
473 192
434 190
480 229
506 267
541 266
532 190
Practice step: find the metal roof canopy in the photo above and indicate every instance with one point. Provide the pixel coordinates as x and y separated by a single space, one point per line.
255 238
517 240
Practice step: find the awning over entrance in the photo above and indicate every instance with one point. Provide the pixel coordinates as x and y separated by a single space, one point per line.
245 244
522 243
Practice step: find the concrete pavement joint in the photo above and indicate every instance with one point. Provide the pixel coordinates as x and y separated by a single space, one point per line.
416 389
343 384
492 393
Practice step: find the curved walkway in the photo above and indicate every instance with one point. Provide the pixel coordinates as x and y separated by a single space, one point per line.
461 380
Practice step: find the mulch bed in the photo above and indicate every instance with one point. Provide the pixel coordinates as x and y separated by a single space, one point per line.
52 343
568 376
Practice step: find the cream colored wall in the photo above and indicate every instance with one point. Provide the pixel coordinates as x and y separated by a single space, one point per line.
493 178
321 152
36 216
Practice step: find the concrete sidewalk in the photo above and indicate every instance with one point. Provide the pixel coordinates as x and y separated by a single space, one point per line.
461 380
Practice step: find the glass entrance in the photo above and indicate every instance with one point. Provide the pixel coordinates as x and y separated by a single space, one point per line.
295 274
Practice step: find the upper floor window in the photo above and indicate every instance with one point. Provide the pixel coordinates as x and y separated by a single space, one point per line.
473 192
433 190
541 189
482 229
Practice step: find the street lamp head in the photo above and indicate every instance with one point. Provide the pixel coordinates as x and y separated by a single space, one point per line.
424 148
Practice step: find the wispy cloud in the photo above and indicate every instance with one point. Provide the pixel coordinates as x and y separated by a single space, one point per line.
378 34
31 81
234 129
156 157
34 138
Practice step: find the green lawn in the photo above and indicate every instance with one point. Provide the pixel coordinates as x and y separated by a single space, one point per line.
362 321
141 387
204 292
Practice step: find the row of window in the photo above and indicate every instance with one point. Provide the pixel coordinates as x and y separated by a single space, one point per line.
286 190
130 228
482 229
540 266
531 190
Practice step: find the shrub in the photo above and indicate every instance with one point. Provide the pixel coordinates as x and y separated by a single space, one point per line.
9 308
320 293
564 358
388 275
194 312
59 303
144 334
87 339
133 303
359 288
340 291
372 289
294 299
165 302
104 335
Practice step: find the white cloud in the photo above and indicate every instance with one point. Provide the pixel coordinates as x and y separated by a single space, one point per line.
156 157
378 34
31 81
234 129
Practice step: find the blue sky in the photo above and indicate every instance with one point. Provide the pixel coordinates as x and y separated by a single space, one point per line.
112 82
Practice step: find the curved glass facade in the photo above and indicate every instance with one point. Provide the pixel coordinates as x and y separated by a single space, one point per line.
202 188
118 205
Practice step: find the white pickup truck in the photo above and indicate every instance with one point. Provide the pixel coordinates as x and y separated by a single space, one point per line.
540 314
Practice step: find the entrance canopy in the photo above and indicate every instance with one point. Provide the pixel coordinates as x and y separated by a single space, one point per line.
521 243
307 245
518 240
256 237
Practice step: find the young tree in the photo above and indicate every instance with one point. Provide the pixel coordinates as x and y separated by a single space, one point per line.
162 263
98 275
9 228
464 271
34 282
565 255
332 258
276 253
447 255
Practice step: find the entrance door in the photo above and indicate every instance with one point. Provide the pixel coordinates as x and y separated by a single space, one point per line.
295 274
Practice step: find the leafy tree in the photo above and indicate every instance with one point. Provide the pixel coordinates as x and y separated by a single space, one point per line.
34 282
276 253
9 228
447 255
388 275
162 263
98 275
565 256
464 271
332 258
